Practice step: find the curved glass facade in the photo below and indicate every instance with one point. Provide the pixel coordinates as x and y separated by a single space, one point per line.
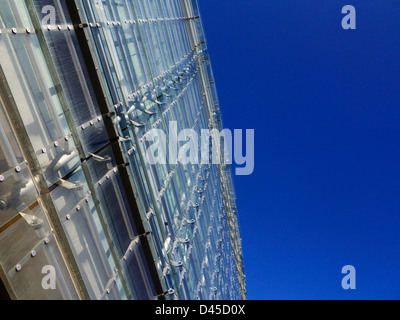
82 86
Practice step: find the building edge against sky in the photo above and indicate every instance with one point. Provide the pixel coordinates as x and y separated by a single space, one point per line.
82 83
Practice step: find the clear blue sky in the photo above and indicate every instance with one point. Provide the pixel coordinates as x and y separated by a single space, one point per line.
325 106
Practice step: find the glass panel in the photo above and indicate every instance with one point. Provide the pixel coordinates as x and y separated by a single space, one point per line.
137 273
34 94
110 192
27 247
73 76
84 231
22 237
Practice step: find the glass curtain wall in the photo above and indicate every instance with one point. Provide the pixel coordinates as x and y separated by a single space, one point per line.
83 83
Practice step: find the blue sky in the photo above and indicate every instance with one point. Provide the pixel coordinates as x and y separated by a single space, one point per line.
325 106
